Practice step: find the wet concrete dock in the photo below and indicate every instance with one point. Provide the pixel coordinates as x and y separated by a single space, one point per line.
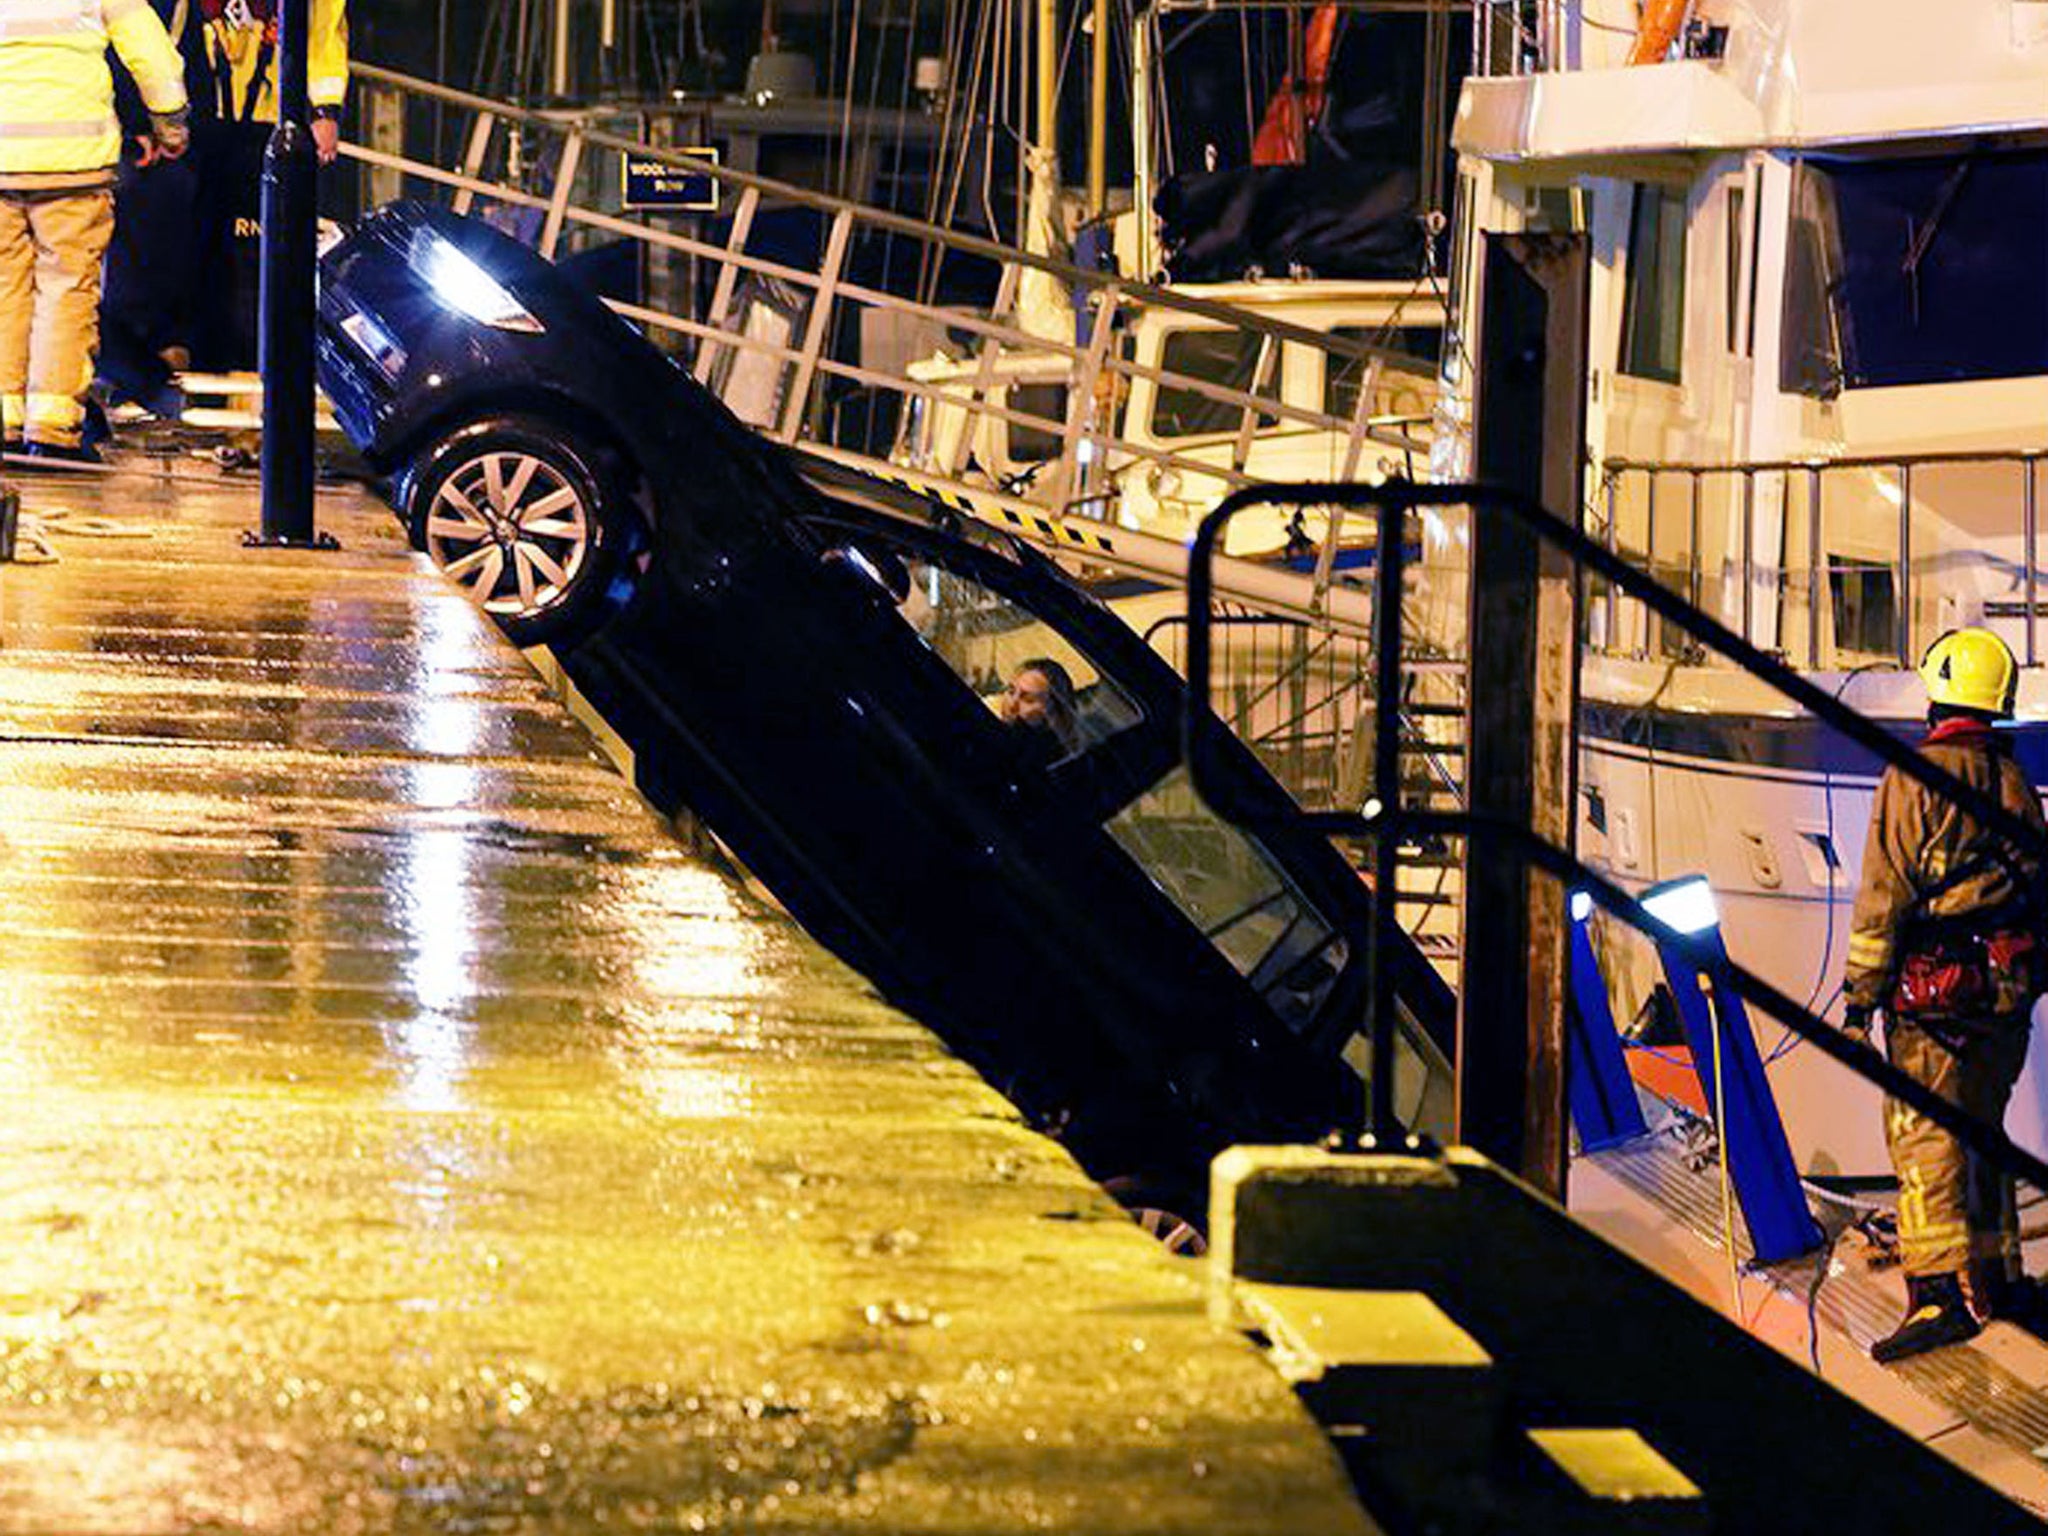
400 1131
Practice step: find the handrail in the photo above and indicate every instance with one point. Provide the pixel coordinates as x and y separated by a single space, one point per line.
1390 503
1417 742
1614 466
1818 472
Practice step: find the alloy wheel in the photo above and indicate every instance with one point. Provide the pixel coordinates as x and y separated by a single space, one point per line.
512 529
1175 1233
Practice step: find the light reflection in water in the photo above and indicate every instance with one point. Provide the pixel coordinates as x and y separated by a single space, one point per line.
437 908
437 896
447 724
694 955
435 904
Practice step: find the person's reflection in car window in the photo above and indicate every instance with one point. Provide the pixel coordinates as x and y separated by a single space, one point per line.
1039 700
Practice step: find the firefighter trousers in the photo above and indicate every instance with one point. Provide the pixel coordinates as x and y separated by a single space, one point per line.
51 247
1956 1211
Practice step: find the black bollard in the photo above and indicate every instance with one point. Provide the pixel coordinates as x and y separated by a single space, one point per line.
290 221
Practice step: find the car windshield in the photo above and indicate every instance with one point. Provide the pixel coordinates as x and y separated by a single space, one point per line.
1231 889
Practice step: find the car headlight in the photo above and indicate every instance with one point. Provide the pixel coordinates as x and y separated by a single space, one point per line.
465 287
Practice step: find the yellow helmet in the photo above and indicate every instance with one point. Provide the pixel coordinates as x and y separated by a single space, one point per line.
1971 669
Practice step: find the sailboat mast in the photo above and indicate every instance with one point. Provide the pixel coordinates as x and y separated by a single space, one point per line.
1049 84
1141 134
1098 114
558 81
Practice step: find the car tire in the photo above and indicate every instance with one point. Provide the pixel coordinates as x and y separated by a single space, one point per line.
522 516
1171 1217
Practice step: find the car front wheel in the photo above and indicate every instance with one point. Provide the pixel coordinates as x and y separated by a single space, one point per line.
516 514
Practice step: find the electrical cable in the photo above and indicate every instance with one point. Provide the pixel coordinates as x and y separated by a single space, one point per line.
1791 1040
1823 1267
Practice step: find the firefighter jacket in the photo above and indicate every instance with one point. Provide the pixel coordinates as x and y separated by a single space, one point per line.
241 57
1925 861
58 131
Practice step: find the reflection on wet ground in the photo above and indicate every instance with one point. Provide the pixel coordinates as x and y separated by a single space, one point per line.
398 1131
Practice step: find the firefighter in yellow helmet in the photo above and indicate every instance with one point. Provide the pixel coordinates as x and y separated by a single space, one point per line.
1946 940
59 145
241 64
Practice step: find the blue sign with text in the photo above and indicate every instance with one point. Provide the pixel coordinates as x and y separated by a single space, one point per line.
662 186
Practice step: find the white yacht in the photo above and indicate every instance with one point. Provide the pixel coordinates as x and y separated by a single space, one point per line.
1817 404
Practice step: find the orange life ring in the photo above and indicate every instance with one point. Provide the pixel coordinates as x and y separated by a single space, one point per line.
1660 22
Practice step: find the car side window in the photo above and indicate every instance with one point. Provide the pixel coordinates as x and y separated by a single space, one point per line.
1025 670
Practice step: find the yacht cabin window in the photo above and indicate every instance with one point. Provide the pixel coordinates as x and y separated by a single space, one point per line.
1864 604
1653 313
1042 440
1227 358
1920 270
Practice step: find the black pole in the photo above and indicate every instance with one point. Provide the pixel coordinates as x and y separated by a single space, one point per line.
287 314
1391 554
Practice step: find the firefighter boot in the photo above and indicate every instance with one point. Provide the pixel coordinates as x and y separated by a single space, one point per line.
1937 1313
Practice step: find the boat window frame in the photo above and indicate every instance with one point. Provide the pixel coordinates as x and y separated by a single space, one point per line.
1164 391
1652 344
1846 283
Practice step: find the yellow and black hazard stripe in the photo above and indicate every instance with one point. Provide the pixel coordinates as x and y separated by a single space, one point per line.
1086 537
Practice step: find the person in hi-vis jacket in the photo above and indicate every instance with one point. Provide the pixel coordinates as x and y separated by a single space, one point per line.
59 144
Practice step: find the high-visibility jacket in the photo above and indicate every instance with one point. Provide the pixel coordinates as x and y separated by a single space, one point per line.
1925 859
241 56
57 123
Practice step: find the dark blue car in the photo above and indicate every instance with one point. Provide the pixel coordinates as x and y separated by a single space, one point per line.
814 666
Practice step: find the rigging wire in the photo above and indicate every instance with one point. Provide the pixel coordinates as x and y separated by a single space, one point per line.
962 127
846 97
1436 74
1251 110
1162 113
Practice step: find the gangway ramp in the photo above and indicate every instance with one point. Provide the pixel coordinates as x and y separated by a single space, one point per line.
780 341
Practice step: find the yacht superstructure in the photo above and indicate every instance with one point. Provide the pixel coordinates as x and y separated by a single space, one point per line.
1817 406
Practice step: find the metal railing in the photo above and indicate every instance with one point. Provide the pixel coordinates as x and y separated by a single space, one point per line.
1839 561
1392 821
725 302
1300 695
1515 37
